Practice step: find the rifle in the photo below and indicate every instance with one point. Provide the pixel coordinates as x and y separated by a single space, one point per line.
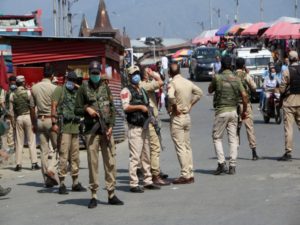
240 123
151 119
101 128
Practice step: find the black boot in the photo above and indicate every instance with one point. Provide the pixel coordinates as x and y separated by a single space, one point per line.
62 190
222 168
286 157
254 154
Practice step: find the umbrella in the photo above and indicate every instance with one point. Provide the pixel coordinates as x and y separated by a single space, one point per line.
253 29
205 41
275 29
223 30
3 73
237 29
205 36
182 52
290 31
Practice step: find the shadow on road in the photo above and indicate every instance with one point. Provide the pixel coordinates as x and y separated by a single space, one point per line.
81 202
32 184
124 178
123 188
167 120
122 171
204 171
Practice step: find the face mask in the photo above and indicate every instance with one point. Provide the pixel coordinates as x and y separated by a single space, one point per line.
273 75
95 78
136 79
70 85
13 87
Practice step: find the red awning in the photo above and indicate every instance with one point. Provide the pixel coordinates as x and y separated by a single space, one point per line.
290 31
253 29
50 50
275 29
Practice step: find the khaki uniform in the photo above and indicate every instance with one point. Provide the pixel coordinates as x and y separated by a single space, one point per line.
19 107
139 147
69 131
226 117
100 99
291 111
249 85
155 148
183 94
42 95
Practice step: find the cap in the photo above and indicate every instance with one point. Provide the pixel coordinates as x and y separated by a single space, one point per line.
12 78
72 75
293 55
20 78
95 67
133 69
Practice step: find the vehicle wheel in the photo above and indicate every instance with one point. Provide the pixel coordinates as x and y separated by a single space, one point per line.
266 119
278 116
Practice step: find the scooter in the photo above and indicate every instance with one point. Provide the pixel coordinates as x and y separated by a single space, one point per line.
273 110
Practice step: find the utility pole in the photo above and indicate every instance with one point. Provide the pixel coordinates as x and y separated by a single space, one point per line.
261 9
236 18
296 8
228 19
55 17
218 12
59 18
210 14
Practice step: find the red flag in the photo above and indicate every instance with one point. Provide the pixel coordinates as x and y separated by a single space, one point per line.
3 73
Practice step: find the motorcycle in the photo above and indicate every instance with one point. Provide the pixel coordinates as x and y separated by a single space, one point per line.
273 110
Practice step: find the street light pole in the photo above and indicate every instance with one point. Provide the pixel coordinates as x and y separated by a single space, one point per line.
210 14
236 19
296 8
261 9
55 17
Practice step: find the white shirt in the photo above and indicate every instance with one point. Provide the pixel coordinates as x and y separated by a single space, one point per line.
165 63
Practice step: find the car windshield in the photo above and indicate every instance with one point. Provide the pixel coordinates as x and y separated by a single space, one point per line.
207 53
257 62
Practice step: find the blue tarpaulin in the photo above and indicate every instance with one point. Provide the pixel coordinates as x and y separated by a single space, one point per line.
223 30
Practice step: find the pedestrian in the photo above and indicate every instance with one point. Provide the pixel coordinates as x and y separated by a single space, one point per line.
66 125
290 91
165 67
8 139
135 103
227 90
217 65
20 108
94 101
182 96
249 86
42 124
151 82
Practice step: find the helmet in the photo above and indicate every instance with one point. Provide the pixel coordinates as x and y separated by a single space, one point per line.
94 67
133 69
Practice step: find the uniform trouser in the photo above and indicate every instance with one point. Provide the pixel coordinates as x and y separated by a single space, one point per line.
8 140
24 127
48 156
180 132
138 140
248 122
154 151
108 151
291 115
68 152
228 121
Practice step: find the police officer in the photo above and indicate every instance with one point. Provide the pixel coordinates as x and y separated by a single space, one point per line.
94 99
228 91
135 102
250 86
182 96
20 108
8 139
63 105
42 124
150 83
290 91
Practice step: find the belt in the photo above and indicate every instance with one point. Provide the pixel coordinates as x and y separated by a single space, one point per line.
44 117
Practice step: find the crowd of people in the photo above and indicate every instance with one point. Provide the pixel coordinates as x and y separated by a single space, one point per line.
54 113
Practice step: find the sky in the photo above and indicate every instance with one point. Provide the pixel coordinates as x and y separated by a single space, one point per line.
157 18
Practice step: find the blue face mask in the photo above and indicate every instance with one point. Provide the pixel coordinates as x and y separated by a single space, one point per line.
13 87
70 85
95 78
135 79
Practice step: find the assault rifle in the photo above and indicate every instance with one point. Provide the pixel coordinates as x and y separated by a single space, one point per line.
101 128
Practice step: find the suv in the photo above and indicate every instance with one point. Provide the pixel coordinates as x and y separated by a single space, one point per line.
257 61
202 63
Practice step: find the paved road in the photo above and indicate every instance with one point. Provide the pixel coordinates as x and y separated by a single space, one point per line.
265 192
